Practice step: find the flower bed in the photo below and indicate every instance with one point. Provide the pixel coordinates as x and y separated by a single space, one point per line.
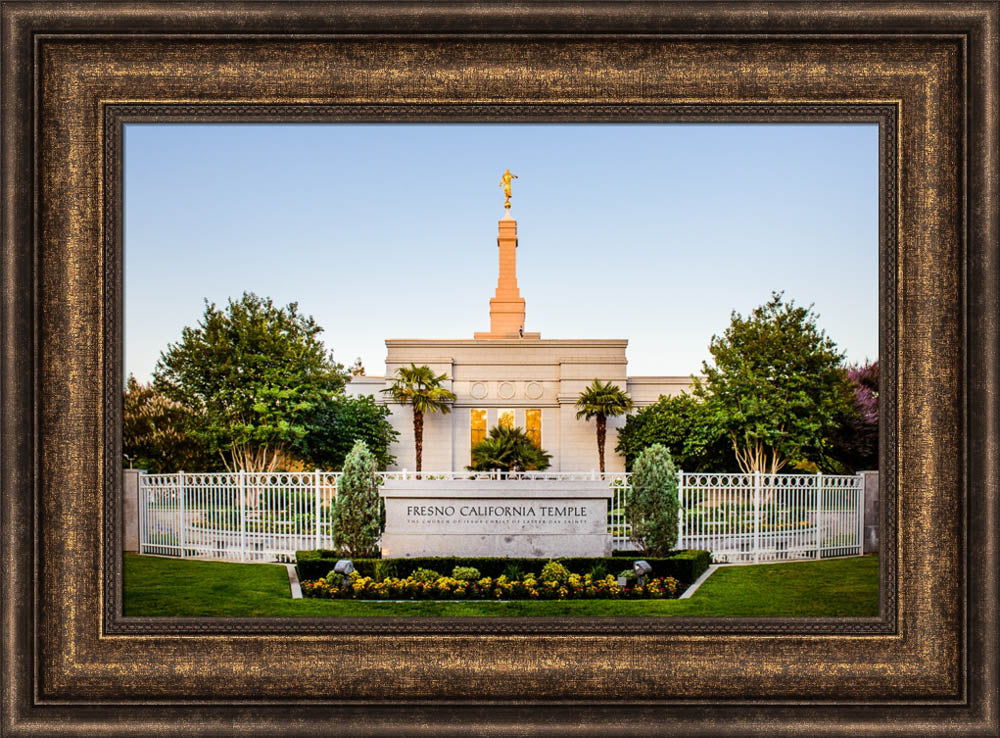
575 587
684 566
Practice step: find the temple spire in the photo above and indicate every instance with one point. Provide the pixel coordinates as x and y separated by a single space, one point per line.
507 305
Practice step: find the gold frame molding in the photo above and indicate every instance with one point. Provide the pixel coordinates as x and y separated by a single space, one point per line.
74 74
117 115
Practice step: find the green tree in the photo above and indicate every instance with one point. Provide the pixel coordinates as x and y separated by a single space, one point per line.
651 506
158 433
337 423
255 372
508 449
358 512
602 400
420 388
690 429
777 384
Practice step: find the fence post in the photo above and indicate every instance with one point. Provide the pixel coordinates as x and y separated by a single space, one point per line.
180 507
143 496
819 512
756 517
316 512
680 508
243 515
131 509
859 490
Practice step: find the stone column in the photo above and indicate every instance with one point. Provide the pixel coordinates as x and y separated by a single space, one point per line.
871 524
130 510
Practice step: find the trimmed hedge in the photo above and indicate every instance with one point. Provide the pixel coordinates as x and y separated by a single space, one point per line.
684 566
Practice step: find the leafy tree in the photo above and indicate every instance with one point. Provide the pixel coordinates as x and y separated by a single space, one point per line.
508 449
158 433
337 423
651 506
689 428
853 445
255 373
420 388
777 384
602 400
358 512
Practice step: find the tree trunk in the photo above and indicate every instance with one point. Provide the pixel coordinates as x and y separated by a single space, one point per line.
418 435
601 432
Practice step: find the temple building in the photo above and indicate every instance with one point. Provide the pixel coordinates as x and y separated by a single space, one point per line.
508 375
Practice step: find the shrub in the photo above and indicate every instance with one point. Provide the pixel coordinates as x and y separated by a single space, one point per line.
554 572
465 573
358 513
513 572
425 575
508 449
385 569
651 506
598 570
686 566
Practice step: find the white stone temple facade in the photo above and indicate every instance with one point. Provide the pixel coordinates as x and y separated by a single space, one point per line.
508 376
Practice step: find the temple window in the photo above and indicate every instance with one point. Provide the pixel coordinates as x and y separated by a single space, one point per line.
533 425
477 426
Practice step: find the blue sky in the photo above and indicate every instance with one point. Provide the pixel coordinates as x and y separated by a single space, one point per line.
650 232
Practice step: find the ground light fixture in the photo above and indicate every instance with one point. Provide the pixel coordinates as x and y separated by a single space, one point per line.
642 569
344 567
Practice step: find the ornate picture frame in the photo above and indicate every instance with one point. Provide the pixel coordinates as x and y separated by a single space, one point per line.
75 74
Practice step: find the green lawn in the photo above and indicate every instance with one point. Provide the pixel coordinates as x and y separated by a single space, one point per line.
832 588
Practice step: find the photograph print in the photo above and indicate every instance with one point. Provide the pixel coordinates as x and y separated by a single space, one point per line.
518 370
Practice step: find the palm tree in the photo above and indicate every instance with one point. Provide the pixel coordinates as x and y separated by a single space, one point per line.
602 401
508 449
417 386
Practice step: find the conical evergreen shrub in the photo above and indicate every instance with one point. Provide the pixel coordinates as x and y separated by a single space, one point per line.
651 506
358 512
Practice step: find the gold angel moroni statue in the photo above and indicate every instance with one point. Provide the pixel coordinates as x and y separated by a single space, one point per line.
505 181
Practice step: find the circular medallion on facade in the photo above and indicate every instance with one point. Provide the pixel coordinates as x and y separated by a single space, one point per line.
505 390
478 390
533 391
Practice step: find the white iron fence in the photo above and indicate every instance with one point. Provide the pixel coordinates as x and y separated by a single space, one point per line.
770 517
246 516
241 516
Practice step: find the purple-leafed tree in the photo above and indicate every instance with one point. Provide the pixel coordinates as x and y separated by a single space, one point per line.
854 445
